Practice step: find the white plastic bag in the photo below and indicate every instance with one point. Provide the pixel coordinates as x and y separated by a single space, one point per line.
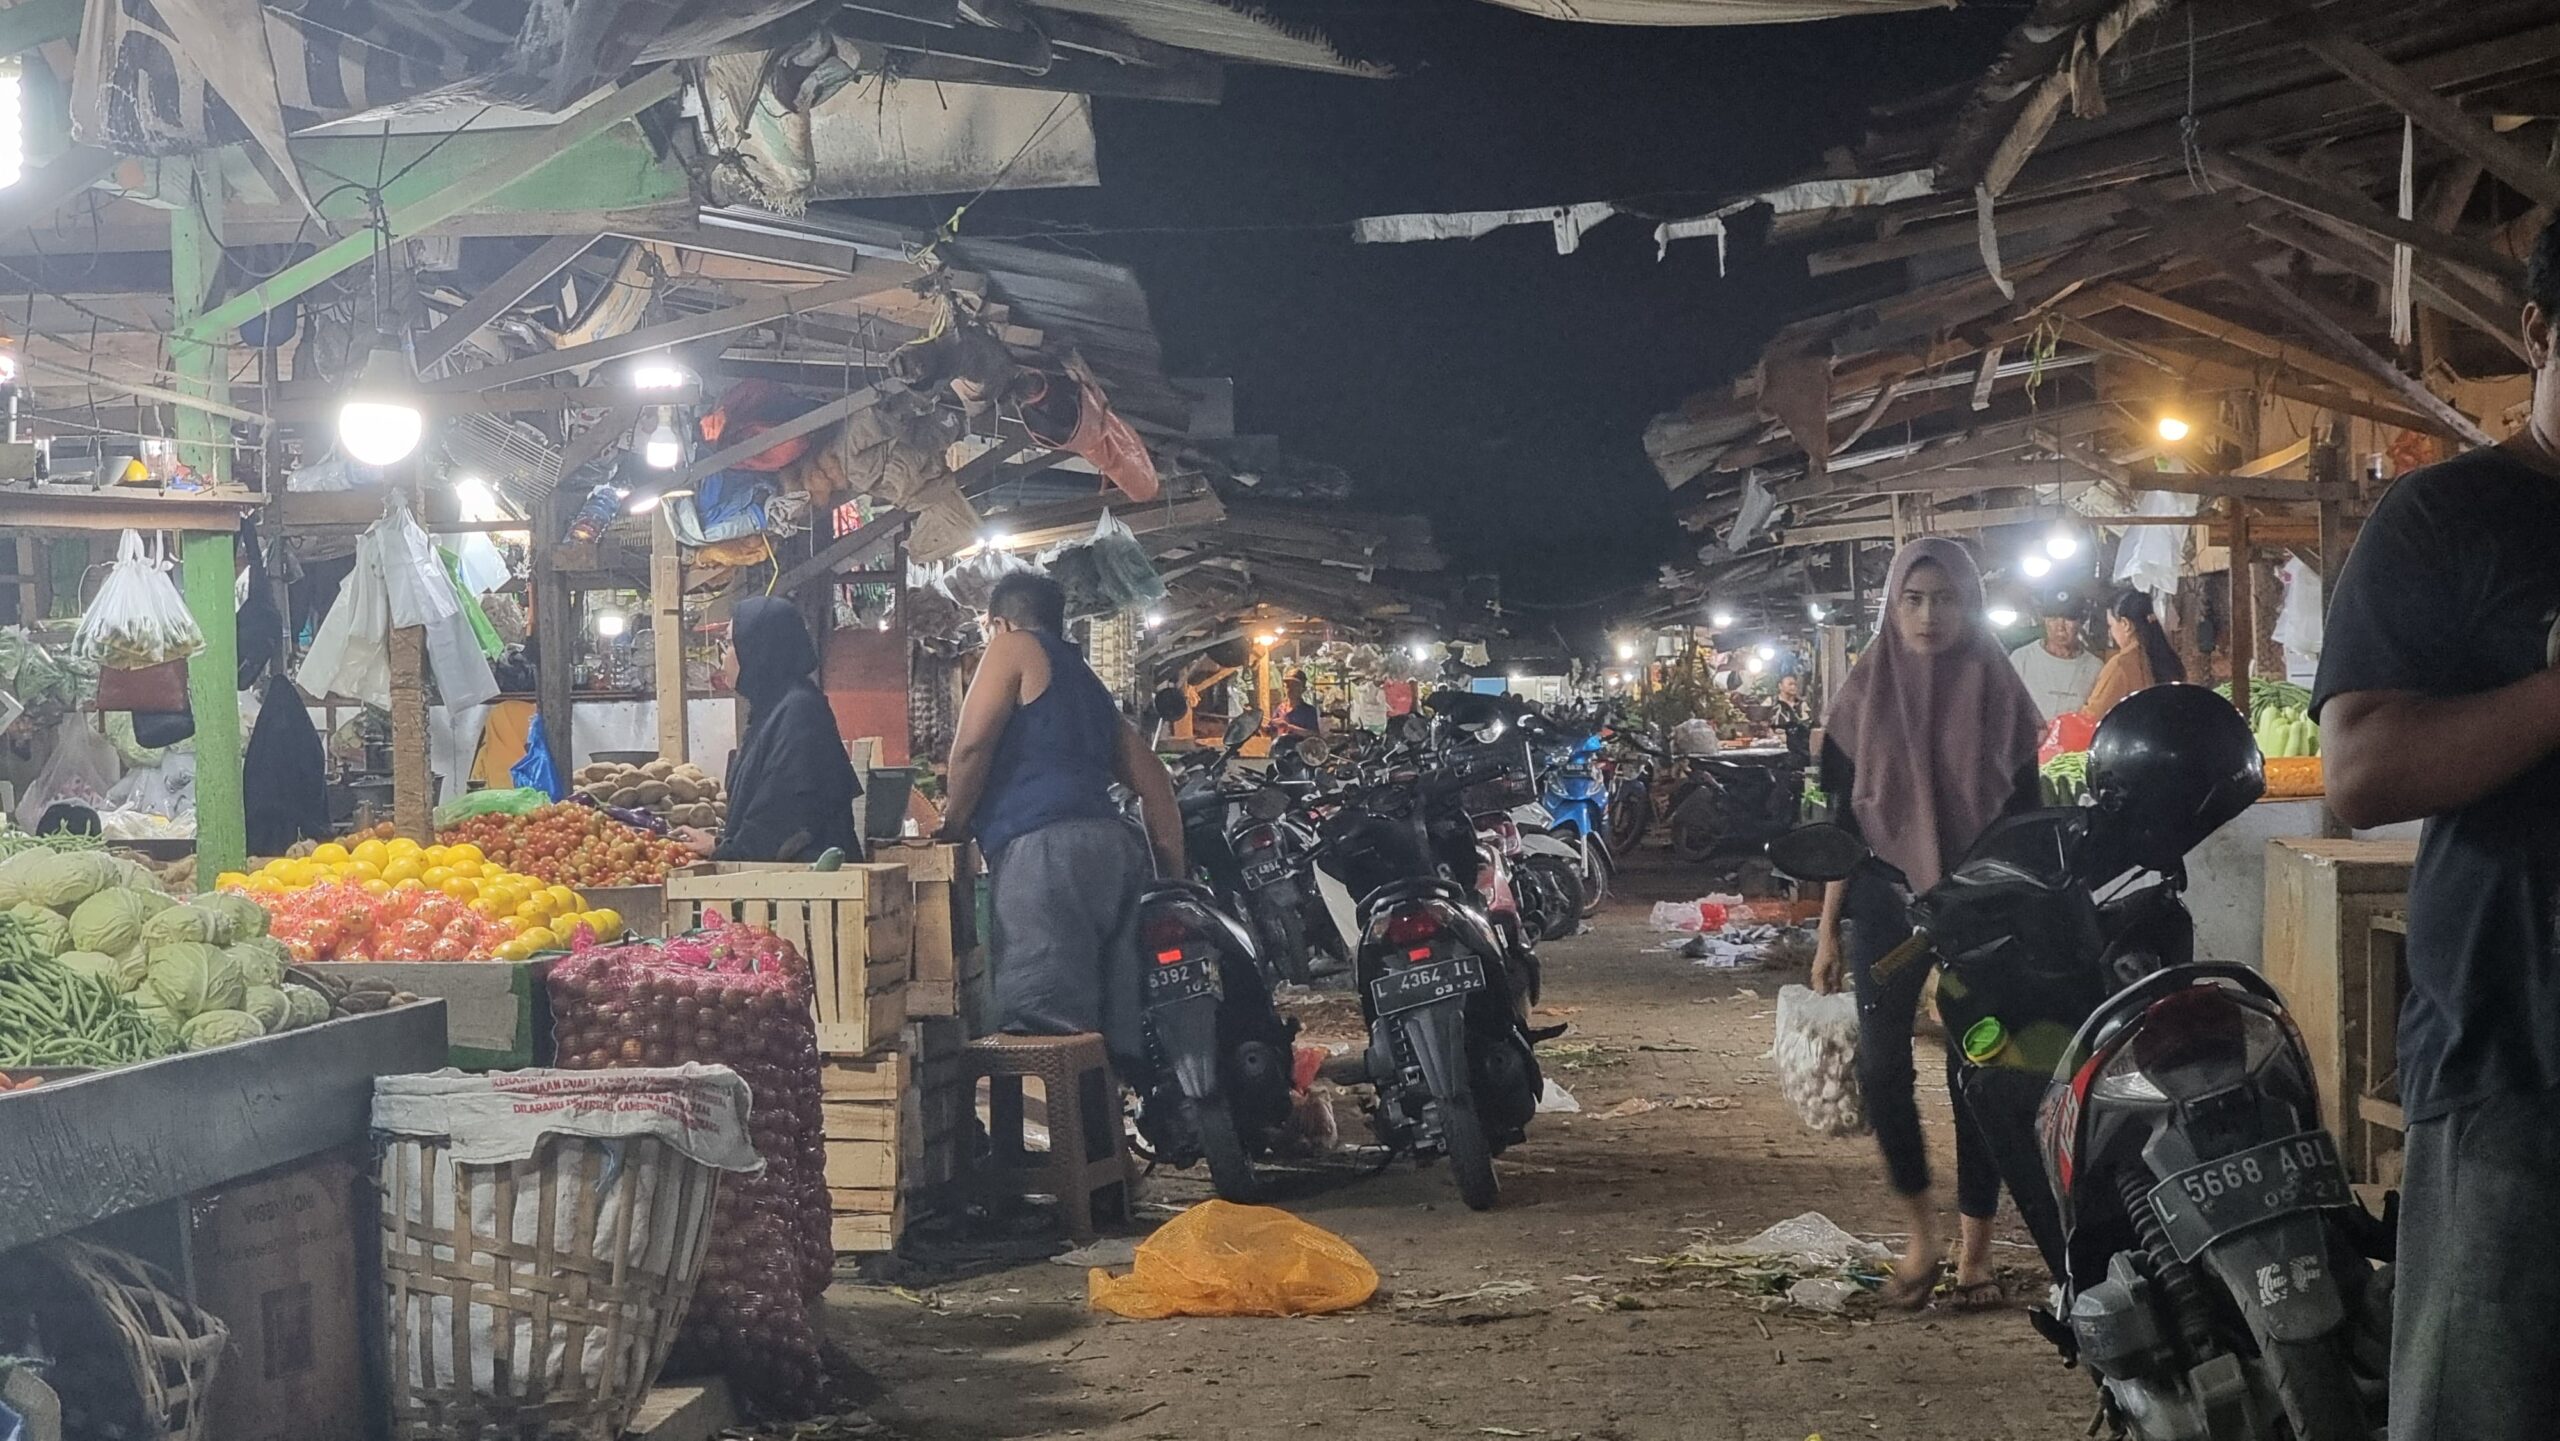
1816 1052
138 618
81 771
350 653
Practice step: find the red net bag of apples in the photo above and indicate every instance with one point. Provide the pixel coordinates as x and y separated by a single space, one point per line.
738 996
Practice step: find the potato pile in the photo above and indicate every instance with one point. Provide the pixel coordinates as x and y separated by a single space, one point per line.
677 792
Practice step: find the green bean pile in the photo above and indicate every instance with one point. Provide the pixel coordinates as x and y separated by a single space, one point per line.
51 1015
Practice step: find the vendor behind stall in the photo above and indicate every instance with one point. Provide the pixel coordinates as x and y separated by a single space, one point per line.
791 786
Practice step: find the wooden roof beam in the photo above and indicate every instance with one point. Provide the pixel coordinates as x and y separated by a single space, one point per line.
499 296
2312 318
2413 97
2271 177
2343 249
2237 336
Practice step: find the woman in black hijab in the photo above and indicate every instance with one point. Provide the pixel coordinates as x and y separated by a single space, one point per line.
791 786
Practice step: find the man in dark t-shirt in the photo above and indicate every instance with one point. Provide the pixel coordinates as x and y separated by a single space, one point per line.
2439 699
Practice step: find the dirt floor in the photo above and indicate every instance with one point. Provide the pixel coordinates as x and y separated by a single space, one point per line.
1538 1319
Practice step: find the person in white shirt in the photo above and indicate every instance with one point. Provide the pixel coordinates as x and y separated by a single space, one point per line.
2058 669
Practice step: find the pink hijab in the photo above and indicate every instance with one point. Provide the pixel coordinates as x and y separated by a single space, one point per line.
1935 742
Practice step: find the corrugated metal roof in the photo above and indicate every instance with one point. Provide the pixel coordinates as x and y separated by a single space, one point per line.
1219 28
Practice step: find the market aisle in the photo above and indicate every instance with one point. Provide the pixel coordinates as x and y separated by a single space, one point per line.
1644 1355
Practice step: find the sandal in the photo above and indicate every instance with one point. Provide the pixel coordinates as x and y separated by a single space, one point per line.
1980 1296
1910 1293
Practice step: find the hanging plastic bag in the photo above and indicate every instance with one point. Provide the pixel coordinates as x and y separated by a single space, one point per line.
138 618
350 653
1221 1259
1816 1052
81 771
2070 733
536 772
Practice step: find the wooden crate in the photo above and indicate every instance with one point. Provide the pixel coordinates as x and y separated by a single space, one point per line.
949 962
856 925
896 1124
2375 1115
2322 898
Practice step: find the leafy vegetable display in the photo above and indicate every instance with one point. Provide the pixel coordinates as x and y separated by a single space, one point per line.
2066 778
739 996
54 1015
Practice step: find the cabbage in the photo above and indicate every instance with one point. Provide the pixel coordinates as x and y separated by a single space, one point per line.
186 923
134 875
110 921
122 972
169 1021
153 902
262 961
269 1006
220 1028
304 1007
191 978
248 918
56 881
46 931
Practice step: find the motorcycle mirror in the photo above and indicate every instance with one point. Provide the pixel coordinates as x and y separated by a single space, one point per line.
1818 852
1243 726
1170 705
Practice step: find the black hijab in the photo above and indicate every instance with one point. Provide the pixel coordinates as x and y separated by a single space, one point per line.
791 785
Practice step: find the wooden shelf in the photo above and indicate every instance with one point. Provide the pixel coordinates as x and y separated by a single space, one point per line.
112 509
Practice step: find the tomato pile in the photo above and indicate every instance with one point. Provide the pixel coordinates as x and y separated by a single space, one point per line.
395 900
571 845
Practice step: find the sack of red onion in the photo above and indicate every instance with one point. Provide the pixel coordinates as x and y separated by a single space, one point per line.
739 996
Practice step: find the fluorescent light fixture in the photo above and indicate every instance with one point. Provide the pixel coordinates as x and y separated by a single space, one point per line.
2002 616
380 424
659 372
2036 565
13 125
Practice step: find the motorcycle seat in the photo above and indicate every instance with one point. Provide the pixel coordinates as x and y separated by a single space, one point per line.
1419 888
1155 891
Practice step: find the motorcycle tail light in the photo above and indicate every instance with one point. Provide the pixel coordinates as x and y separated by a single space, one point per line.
1165 929
1413 927
2196 1043
1260 840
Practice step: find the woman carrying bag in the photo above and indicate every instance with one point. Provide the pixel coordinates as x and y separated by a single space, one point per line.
1932 738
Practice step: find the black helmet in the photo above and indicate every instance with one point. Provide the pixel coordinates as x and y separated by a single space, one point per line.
2169 766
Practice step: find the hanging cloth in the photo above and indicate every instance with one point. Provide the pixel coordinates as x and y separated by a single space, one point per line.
290 802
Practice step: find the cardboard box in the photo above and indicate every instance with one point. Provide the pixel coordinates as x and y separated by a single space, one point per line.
277 1258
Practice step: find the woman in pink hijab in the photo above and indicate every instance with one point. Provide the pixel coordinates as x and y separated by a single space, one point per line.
1932 738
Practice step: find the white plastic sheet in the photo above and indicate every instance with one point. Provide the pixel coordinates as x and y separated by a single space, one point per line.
2148 559
2298 624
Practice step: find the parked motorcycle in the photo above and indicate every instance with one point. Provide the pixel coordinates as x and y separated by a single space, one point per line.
1445 988
1576 800
2156 1118
1736 801
1218 1085
1235 825
1632 764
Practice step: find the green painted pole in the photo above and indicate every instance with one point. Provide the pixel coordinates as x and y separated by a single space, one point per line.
222 830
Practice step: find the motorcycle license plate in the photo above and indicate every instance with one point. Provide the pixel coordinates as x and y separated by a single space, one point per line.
1258 874
1171 981
1578 771
1425 982
2200 1206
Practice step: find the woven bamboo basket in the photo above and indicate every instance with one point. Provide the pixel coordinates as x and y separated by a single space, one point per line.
136 1353
535 1300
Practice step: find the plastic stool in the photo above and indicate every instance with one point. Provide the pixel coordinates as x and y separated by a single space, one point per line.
1084 1166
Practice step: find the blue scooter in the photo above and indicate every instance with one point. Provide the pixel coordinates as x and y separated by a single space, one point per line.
1577 805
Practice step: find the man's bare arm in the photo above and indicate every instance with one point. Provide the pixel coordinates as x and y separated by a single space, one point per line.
1141 771
994 693
2390 756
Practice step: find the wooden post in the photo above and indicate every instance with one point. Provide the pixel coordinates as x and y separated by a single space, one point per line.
555 632
666 608
195 256
413 803
2244 621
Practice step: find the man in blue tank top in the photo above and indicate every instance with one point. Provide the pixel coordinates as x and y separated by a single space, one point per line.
1039 744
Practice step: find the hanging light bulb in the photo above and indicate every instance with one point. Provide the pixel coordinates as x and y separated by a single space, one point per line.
1721 620
2174 428
663 448
1813 609
1764 652
379 424
1755 665
1154 619
2002 616
2035 565
1420 650
2063 544
610 623
1626 650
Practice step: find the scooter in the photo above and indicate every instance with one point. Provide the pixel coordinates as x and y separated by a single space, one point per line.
1735 801
1230 825
2155 1118
1444 992
1577 803
1547 872
1219 1079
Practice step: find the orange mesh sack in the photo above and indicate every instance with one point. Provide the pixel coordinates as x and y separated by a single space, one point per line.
1219 1259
